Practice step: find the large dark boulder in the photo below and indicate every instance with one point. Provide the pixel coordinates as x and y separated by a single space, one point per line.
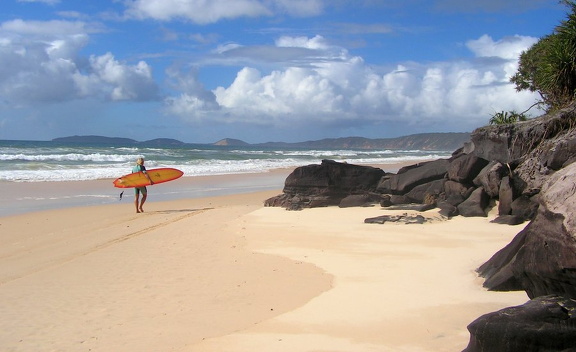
427 193
465 168
498 270
408 178
524 207
475 205
544 324
325 184
490 177
456 192
542 257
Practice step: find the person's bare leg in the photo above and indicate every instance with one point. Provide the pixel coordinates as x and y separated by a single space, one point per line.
136 199
144 196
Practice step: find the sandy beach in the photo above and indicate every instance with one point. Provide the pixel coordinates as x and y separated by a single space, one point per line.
224 273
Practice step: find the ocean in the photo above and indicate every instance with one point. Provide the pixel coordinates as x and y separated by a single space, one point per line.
39 161
32 172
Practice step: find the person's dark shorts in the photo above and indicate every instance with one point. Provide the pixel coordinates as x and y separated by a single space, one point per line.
138 190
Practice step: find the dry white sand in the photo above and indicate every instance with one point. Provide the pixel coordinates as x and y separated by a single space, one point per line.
226 274
396 287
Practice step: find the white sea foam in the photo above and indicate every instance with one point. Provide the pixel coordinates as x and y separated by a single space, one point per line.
193 168
29 161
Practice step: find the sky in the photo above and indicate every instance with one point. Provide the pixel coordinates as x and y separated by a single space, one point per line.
262 70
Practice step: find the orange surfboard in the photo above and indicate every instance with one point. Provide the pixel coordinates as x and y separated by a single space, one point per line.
138 179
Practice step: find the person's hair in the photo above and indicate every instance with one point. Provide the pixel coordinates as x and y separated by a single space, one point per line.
140 161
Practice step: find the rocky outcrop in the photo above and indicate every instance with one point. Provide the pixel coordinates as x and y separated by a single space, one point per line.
542 258
327 184
547 323
511 142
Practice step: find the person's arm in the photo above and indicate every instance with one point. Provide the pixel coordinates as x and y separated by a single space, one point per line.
147 176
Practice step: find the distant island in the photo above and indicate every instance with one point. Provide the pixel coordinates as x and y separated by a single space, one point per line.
422 141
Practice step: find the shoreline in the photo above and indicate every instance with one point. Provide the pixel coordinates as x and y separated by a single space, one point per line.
25 197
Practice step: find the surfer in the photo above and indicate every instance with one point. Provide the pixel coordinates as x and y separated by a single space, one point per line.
137 190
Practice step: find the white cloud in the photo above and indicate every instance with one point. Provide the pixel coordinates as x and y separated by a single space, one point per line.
43 28
120 81
507 48
317 42
204 12
194 101
347 91
198 11
41 62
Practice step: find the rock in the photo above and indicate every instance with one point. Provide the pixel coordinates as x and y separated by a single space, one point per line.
562 153
426 193
542 257
547 323
409 177
506 143
508 220
505 197
413 207
326 184
524 207
357 200
385 200
396 199
456 191
465 168
475 205
530 175
407 219
490 177
446 209
498 270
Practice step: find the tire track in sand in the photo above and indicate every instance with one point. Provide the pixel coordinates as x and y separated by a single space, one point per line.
87 251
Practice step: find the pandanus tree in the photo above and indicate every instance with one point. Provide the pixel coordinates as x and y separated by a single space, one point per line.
549 66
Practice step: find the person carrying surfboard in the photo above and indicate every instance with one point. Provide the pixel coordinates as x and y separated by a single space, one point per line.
139 203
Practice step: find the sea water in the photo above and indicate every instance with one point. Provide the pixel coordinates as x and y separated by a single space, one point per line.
36 161
31 171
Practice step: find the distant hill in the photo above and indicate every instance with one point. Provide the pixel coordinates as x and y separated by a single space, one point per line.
95 140
163 142
423 141
231 142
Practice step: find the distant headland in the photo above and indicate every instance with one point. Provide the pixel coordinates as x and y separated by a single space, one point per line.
422 141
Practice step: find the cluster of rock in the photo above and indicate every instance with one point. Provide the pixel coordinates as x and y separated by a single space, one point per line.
464 184
529 168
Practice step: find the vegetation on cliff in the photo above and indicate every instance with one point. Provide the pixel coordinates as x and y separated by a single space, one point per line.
549 66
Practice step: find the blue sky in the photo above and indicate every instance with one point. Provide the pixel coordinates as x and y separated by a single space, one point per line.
262 70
